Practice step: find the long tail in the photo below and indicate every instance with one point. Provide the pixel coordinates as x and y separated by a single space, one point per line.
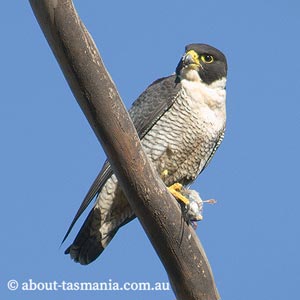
89 244
111 211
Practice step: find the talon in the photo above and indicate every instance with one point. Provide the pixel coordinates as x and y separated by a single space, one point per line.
175 189
176 186
164 173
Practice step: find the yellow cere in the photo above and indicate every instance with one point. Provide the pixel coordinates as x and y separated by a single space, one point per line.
195 56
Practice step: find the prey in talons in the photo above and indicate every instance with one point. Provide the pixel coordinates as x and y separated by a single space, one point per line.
191 203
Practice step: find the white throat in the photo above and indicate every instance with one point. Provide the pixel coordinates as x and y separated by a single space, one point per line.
209 99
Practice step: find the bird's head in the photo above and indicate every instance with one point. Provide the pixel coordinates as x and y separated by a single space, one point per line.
202 62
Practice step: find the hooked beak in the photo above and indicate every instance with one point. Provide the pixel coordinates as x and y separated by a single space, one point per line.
189 60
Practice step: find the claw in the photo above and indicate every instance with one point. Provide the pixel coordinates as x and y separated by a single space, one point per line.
164 173
175 189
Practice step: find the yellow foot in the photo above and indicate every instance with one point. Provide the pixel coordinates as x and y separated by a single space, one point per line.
175 189
164 174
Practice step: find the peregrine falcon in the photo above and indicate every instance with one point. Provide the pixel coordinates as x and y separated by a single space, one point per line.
180 120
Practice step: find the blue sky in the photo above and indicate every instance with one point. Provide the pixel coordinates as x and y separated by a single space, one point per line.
50 156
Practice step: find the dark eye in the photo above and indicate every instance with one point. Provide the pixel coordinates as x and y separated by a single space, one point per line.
207 58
